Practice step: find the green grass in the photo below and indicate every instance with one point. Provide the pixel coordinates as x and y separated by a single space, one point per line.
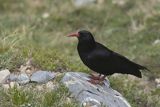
130 29
22 97
141 94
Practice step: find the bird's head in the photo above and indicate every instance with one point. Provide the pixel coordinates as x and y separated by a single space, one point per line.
82 35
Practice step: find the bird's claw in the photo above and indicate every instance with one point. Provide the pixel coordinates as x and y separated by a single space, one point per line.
95 82
94 77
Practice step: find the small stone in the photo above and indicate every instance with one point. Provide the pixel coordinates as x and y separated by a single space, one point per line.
23 79
12 77
19 78
42 76
3 75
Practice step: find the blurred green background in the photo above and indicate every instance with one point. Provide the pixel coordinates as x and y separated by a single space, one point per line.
38 28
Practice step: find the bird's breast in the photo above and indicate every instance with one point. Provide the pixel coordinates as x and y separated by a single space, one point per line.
84 51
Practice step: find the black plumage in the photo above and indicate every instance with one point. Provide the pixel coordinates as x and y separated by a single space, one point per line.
103 60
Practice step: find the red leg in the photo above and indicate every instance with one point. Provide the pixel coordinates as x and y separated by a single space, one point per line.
102 78
94 77
97 80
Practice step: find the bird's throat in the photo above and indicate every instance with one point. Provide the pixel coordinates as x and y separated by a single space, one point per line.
86 46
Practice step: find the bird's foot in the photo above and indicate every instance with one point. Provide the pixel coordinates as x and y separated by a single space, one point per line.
94 77
96 82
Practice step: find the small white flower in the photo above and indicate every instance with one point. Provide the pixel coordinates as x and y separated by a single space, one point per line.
157 41
157 80
45 15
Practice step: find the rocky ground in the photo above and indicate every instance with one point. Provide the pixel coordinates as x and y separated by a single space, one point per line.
85 93
30 78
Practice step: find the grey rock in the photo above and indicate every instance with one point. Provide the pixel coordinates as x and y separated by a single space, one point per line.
19 78
13 77
23 78
93 95
3 75
80 3
42 76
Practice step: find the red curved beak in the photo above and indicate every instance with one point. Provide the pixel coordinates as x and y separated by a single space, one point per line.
73 35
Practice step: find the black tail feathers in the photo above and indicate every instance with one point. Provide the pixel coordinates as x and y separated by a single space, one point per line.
143 68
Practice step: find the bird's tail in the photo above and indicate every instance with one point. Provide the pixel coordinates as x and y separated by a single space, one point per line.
143 68
137 73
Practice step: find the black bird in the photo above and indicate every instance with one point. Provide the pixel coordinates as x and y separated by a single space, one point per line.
103 60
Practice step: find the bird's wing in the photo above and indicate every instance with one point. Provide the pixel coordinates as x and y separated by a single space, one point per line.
105 58
100 55
124 62
119 60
